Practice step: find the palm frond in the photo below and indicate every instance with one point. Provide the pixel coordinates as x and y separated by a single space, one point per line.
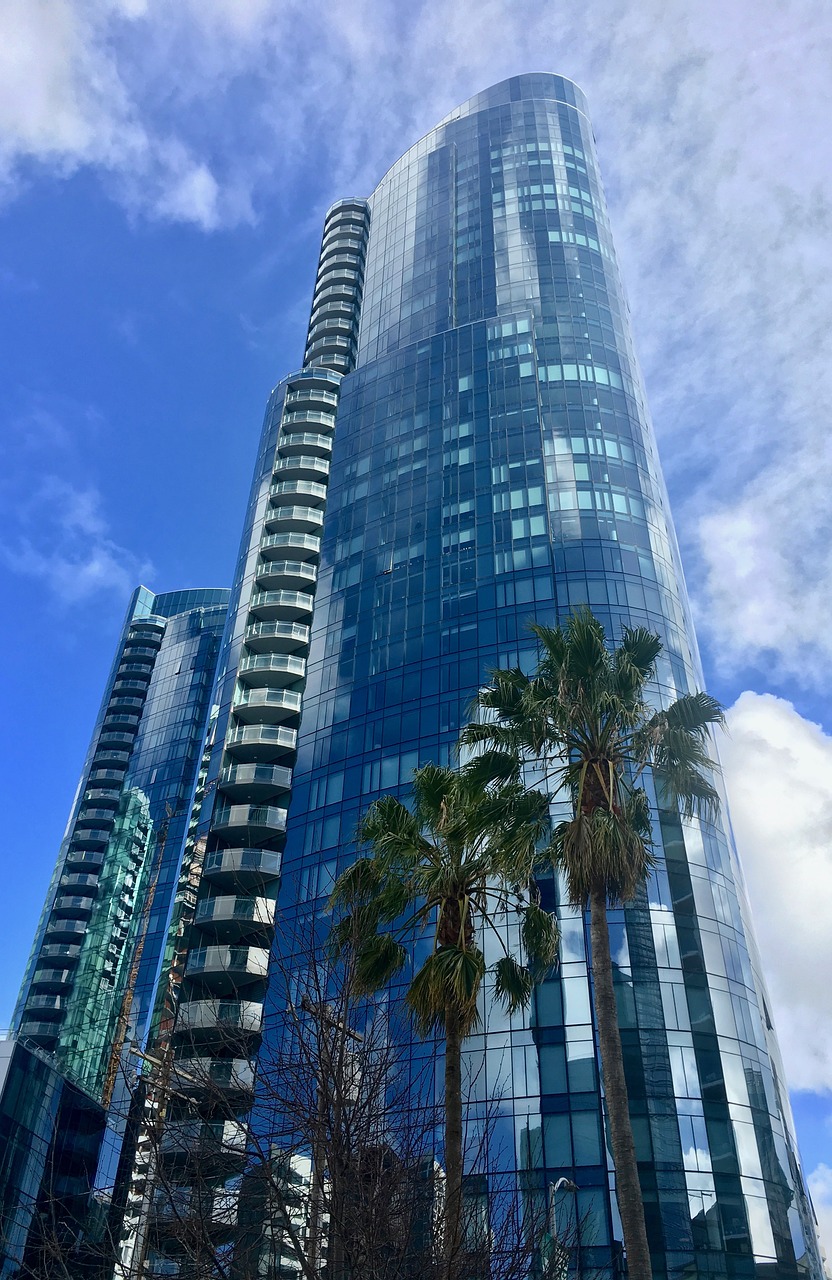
392 832
695 712
639 649
588 656
450 978
687 788
359 882
601 851
513 983
488 768
539 936
378 959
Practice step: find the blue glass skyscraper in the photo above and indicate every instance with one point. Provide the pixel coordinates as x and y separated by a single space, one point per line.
468 447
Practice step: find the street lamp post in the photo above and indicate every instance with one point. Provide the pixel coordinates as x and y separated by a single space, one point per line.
560 1250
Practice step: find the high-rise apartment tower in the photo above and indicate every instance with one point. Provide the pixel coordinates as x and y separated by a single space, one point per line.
95 985
467 447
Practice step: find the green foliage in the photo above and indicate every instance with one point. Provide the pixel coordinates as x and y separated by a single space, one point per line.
455 863
584 715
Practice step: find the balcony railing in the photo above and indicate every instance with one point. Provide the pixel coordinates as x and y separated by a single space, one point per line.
262 741
242 868
303 519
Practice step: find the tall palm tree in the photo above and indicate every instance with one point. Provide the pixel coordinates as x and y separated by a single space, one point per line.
584 716
454 863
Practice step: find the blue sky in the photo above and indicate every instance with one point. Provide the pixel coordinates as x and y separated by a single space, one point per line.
163 174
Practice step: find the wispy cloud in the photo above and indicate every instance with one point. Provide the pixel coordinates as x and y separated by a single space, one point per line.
54 526
778 771
59 536
820 1185
712 132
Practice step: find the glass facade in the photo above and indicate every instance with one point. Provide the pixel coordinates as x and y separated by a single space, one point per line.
50 1136
467 448
93 980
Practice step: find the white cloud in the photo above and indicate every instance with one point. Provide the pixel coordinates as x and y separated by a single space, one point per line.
778 772
712 135
59 536
820 1186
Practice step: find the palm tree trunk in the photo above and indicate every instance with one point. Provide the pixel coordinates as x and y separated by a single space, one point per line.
452 1236
628 1188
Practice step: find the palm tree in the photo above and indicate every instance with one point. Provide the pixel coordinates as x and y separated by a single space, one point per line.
584 716
455 863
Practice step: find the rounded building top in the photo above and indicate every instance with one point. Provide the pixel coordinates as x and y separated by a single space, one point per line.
532 84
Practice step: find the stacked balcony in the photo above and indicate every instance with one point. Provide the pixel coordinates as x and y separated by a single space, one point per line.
94 820
332 340
220 1016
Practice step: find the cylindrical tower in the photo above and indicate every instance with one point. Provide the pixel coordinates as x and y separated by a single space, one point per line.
466 449
494 462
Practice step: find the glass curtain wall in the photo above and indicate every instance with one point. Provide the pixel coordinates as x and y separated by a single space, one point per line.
493 463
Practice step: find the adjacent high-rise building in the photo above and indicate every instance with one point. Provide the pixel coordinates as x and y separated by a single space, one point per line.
92 984
467 447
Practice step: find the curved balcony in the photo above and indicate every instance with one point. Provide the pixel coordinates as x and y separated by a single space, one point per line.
344 292
276 637
255 782
85 859
276 574
311 442
227 1077
94 817
299 519
303 546
338 276
107 754
348 238
92 839
295 418
124 702
53 979
62 951
73 904
68 930
192 1209
139 648
259 742
232 917
271 669
333 256
287 605
97 795
79 880
287 493
242 868
114 718
46 1004
135 671
38 1030
332 344
309 393
327 324
227 968
267 706
254 821
241 1016
328 360
113 777
216 1145
121 739
334 311
301 466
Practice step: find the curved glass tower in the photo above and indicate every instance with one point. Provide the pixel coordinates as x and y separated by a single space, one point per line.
467 448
